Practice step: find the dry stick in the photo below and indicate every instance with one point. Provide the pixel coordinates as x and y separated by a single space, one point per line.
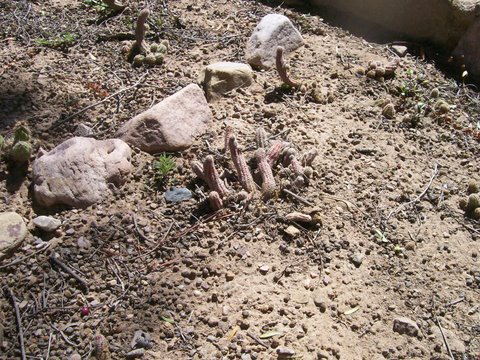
257 340
59 264
444 338
156 246
298 197
419 197
81 111
19 322
25 257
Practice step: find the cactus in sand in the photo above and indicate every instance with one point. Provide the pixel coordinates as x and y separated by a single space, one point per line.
244 175
212 178
215 201
197 168
275 151
282 69
268 181
261 138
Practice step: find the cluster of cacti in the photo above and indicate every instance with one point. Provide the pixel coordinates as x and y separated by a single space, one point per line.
377 70
20 148
139 52
266 161
471 205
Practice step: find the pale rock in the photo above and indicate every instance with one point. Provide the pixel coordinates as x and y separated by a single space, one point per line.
272 31
292 231
264 269
170 125
403 325
78 171
400 50
47 223
222 77
12 232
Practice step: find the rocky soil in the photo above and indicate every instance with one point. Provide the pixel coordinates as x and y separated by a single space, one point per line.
387 267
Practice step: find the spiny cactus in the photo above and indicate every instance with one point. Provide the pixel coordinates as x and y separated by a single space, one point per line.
101 348
295 165
227 135
268 181
261 138
282 69
21 151
243 172
308 157
212 178
197 168
215 200
275 151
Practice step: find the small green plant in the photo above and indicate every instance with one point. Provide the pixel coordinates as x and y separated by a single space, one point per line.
62 41
162 167
380 236
98 5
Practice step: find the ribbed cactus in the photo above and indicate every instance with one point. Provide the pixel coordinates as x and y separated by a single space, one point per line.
309 157
295 165
197 168
227 135
21 151
261 138
139 46
101 348
282 69
268 181
275 151
215 201
244 175
212 178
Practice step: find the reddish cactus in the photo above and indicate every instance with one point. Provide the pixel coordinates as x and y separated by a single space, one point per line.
282 69
275 151
212 178
268 181
215 201
101 348
309 156
295 165
197 168
228 134
244 175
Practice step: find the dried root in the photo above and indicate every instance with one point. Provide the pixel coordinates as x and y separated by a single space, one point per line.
282 69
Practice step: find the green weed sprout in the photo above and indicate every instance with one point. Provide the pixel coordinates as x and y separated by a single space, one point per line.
162 167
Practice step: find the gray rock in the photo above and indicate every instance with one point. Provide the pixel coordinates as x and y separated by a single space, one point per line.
12 232
222 77
272 31
78 171
83 130
47 223
357 259
403 325
400 50
172 124
285 352
175 194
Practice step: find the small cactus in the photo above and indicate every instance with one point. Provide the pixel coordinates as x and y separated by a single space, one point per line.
21 151
212 178
21 133
473 202
101 348
215 201
268 181
275 151
295 165
282 69
197 168
308 158
261 138
244 175
227 135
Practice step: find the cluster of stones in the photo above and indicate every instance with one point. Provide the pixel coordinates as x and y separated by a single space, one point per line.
471 205
267 156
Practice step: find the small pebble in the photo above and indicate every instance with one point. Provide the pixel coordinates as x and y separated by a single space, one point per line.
264 269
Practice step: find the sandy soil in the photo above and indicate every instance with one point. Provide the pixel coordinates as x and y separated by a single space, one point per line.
389 239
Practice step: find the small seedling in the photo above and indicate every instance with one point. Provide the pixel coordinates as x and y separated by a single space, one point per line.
162 167
62 41
380 236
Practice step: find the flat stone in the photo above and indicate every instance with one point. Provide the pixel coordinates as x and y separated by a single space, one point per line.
47 223
175 194
292 231
79 171
172 124
403 325
12 232
222 77
272 31
400 50
285 352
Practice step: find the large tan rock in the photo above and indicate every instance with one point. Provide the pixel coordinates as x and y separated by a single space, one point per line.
172 124
12 232
439 21
78 171
222 77
272 31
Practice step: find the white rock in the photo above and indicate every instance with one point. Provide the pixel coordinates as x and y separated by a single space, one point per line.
400 50
272 31
222 77
47 223
172 124
292 231
78 171
12 232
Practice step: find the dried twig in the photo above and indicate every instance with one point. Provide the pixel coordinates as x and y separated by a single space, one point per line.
257 340
282 69
298 197
25 257
418 198
11 296
59 264
81 111
444 338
